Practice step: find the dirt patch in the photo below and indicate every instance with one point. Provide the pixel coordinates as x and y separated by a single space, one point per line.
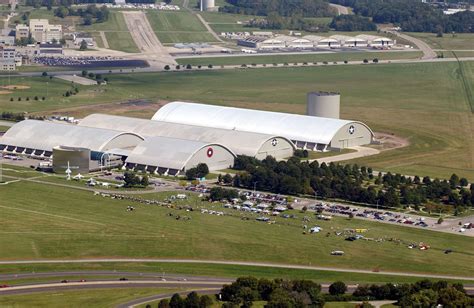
388 141
16 87
5 92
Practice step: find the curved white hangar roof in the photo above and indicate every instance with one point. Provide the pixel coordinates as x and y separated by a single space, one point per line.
44 136
178 155
300 128
241 143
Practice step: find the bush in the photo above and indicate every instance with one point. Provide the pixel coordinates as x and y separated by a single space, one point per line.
36 98
365 61
199 66
167 67
91 75
209 66
19 99
375 60
337 288
189 66
178 67
345 62
11 99
44 74
200 171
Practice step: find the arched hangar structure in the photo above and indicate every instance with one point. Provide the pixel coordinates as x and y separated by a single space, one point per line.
239 142
38 138
310 132
171 156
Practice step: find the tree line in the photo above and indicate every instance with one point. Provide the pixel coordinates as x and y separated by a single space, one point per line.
67 3
306 293
296 22
287 8
350 182
411 16
352 23
91 14
17 117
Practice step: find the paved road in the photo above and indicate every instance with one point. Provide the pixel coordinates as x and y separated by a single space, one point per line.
104 40
360 152
243 263
428 52
209 29
145 39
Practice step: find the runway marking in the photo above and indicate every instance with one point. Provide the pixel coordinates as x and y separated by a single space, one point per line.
52 215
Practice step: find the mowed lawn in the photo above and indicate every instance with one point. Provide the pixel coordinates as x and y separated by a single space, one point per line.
41 221
299 58
83 298
178 27
458 41
426 103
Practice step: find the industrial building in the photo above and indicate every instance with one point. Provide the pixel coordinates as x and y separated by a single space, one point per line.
169 156
306 131
349 41
261 42
40 30
295 42
241 143
376 41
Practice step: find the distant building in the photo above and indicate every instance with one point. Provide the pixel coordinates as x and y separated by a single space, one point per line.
40 30
22 31
7 58
50 49
7 40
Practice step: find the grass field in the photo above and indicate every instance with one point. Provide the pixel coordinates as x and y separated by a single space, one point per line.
4 128
121 41
426 103
178 27
310 58
85 298
460 41
68 223
210 270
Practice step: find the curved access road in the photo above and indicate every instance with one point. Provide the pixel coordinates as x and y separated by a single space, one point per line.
241 263
428 52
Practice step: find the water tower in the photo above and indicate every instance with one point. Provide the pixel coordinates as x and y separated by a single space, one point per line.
323 104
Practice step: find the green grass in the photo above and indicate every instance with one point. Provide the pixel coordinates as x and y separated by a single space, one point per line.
223 18
339 305
174 21
4 128
122 41
47 222
424 102
85 298
178 27
310 58
196 269
115 22
460 41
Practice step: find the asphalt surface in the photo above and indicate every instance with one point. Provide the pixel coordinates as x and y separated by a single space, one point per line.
428 52
259 264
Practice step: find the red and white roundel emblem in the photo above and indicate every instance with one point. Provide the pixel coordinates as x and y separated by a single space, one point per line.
210 152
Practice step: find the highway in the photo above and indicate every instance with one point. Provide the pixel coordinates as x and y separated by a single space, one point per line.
237 263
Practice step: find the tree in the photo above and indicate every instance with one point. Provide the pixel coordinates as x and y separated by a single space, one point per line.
145 181
176 301
84 73
167 67
454 181
337 288
463 182
205 301
83 45
440 220
164 303
44 74
451 297
192 300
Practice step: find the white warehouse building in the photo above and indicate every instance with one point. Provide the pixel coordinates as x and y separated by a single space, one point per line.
310 132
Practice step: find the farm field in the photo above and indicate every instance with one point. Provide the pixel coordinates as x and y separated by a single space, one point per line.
310 58
68 223
460 41
85 298
425 103
178 27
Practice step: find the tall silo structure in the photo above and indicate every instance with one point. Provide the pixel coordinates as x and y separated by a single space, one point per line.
208 5
323 104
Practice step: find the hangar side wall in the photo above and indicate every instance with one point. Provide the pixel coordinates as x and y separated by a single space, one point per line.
277 147
221 158
360 135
